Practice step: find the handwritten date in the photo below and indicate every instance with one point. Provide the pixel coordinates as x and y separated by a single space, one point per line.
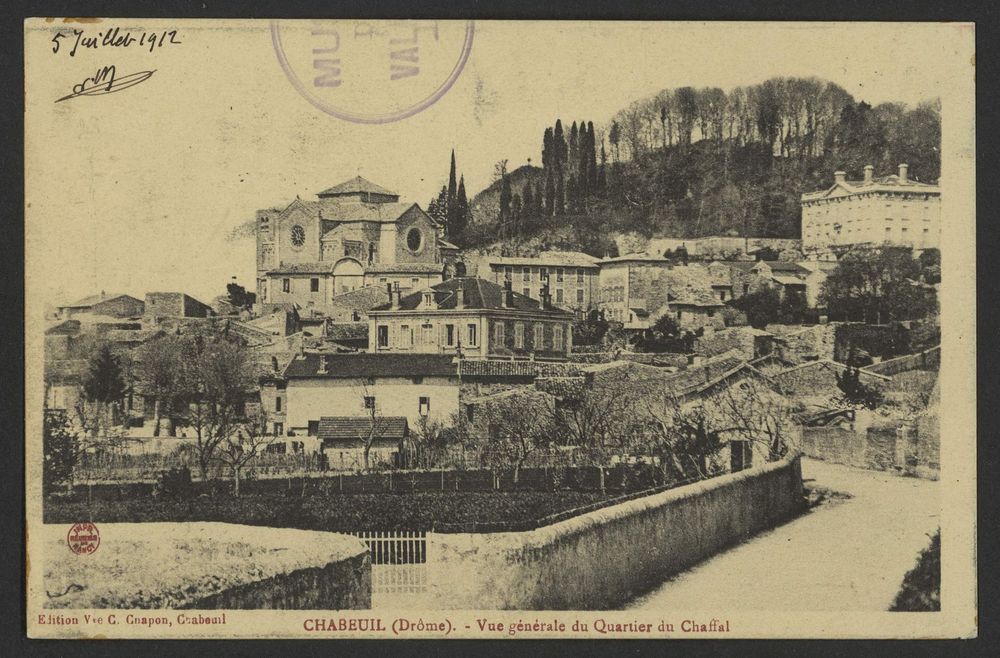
106 81
113 38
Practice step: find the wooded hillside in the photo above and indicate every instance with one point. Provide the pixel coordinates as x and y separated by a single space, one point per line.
692 162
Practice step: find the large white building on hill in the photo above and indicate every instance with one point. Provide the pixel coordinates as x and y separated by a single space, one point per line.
892 210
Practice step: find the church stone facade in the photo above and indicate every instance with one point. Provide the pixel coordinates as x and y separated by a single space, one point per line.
354 234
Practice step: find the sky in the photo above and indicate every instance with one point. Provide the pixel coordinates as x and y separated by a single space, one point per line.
139 190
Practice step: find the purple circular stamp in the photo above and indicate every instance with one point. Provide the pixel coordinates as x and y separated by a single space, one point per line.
372 71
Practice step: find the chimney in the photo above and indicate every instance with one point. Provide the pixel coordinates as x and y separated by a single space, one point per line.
869 174
838 177
546 296
394 296
904 174
507 298
324 366
460 295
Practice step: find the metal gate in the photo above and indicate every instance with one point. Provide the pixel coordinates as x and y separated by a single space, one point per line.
395 546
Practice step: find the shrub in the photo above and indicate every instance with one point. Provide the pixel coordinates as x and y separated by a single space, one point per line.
175 483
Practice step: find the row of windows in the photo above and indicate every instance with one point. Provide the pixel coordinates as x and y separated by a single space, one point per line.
543 273
408 335
286 285
560 295
615 294
538 336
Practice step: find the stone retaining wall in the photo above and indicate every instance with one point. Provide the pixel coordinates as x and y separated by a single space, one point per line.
207 566
601 559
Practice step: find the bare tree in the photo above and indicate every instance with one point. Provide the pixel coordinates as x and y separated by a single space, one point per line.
217 375
432 437
376 428
695 428
517 427
752 410
684 433
244 445
599 412
158 372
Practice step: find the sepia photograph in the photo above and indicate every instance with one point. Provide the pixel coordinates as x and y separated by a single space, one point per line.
499 329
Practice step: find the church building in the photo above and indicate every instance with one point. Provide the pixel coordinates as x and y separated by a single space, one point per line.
354 234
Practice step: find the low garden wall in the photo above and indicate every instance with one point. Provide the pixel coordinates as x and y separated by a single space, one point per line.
909 450
207 566
603 558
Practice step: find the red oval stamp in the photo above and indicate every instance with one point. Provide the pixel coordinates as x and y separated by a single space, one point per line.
83 538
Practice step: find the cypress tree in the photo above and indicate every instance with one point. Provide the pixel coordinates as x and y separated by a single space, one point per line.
104 381
547 149
438 208
591 158
528 206
560 207
462 214
550 193
574 150
558 147
452 209
602 176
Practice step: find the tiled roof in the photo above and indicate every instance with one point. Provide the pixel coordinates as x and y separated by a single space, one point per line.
356 185
697 376
478 294
549 259
362 299
498 368
364 365
785 266
89 301
788 280
303 268
339 210
444 244
347 330
356 428
405 268
639 257
829 364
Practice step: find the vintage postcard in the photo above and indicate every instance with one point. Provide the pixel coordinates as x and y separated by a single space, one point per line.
497 329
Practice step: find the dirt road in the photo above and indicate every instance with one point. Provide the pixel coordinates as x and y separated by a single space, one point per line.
848 554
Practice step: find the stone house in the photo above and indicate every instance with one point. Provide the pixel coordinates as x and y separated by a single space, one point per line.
102 304
572 277
175 305
472 318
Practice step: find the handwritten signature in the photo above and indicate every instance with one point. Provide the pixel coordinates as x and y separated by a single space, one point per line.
106 81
